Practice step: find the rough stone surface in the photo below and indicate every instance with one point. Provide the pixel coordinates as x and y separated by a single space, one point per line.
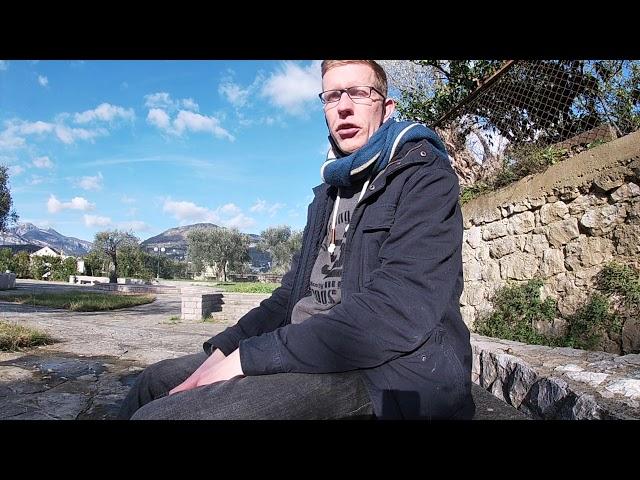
552 212
561 232
586 213
558 383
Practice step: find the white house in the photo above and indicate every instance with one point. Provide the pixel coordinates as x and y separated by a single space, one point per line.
50 252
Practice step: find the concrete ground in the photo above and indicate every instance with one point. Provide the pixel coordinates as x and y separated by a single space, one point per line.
99 354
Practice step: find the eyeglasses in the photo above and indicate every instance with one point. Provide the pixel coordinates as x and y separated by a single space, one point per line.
359 94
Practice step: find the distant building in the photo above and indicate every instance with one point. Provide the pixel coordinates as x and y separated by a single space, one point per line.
49 252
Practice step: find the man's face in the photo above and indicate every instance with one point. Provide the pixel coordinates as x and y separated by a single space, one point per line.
351 123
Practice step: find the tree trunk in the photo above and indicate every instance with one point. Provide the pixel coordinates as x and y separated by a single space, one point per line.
113 276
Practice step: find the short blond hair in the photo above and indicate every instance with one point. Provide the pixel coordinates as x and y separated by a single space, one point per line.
379 73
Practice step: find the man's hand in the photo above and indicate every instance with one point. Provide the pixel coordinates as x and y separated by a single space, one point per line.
216 368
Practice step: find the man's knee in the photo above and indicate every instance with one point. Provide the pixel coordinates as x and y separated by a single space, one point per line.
147 412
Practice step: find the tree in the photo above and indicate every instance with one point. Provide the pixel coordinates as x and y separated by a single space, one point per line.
551 102
281 242
63 269
6 259
106 244
39 266
225 248
542 102
93 263
21 264
7 215
133 262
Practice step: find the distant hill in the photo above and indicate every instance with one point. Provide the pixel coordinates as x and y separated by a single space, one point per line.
28 233
174 242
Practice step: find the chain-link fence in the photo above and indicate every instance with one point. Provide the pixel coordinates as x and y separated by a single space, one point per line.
529 114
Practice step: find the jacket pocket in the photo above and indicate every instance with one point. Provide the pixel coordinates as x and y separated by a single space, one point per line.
375 231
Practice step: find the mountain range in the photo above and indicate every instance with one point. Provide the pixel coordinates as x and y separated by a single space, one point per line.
174 241
28 233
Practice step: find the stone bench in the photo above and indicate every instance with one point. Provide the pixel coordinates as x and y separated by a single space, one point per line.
7 281
198 303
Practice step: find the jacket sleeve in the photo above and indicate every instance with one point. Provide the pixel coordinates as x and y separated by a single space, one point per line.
269 315
400 304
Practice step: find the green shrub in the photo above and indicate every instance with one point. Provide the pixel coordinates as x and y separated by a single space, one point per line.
622 280
516 309
592 324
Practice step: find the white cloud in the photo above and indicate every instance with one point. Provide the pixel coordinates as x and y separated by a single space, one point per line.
228 215
33 128
126 199
42 162
159 118
104 112
162 107
240 221
189 104
135 225
36 180
70 135
199 123
77 203
4 65
132 212
15 170
10 141
183 211
234 93
13 135
159 100
96 221
91 183
163 100
230 209
42 80
262 206
293 87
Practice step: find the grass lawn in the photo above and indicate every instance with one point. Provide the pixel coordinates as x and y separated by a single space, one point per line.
248 287
15 337
80 301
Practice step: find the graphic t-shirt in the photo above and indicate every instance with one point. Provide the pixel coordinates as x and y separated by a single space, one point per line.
326 276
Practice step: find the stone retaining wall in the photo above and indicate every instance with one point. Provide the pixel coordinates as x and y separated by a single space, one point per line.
562 225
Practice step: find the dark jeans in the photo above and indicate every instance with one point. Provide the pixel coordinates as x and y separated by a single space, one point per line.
287 396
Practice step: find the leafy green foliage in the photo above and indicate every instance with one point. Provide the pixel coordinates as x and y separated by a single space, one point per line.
600 319
282 243
554 101
225 248
7 215
622 280
590 325
519 161
516 309
106 245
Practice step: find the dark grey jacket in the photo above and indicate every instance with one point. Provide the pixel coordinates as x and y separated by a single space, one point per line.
399 319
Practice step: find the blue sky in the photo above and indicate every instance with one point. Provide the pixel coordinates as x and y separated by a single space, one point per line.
149 145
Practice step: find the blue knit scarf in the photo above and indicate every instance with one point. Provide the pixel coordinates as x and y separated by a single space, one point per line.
345 170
